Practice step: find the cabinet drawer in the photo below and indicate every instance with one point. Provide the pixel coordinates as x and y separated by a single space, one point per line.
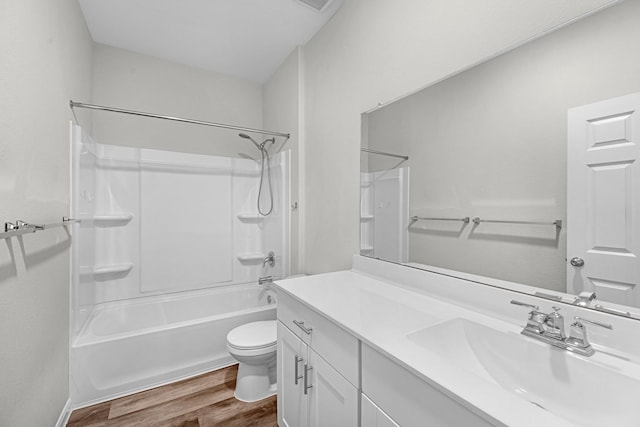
409 400
331 342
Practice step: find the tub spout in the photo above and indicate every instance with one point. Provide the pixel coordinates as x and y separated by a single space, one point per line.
265 279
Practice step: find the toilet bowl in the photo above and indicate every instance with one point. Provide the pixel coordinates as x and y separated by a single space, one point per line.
254 346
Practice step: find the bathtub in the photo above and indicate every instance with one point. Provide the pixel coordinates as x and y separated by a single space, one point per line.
134 345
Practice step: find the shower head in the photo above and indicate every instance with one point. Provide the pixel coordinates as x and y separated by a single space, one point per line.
245 136
260 146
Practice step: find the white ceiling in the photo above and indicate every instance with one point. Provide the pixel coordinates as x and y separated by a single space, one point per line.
243 38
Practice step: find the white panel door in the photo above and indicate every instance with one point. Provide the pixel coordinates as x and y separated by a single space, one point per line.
333 401
603 199
292 402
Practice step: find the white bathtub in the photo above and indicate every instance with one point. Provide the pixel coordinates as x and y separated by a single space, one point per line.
130 346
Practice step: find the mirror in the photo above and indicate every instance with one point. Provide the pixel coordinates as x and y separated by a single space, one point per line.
491 144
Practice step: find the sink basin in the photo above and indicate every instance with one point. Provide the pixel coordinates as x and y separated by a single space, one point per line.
578 390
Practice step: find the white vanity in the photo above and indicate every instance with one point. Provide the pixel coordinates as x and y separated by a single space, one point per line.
385 345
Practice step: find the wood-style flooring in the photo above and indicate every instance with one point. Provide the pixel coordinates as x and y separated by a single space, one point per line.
203 401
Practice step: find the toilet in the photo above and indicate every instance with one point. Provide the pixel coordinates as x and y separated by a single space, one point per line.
254 346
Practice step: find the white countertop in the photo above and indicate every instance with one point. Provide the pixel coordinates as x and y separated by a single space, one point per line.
381 314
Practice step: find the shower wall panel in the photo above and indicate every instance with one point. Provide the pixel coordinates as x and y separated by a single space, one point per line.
83 185
186 232
157 222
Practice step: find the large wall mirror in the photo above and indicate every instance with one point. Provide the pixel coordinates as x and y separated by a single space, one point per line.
521 171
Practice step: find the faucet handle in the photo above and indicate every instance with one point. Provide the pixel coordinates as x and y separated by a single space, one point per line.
524 304
536 320
592 322
269 259
578 341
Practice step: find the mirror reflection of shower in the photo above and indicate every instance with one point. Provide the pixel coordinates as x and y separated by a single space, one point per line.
265 154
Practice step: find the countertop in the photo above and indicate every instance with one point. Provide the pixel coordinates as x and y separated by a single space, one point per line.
381 314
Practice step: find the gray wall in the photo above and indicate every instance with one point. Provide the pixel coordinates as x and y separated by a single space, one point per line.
491 142
45 52
133 81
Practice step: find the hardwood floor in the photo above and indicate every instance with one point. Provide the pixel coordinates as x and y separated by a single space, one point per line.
203 401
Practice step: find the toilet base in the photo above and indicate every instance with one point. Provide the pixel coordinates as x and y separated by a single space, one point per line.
253 383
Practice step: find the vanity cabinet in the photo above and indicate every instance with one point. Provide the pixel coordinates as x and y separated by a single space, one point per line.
372 416
328 377
317 369
409 400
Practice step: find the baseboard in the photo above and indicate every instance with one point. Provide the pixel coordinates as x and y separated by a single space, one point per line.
64 415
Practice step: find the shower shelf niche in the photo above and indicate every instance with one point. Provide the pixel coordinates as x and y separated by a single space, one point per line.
250 217
112 220
107 272
253 257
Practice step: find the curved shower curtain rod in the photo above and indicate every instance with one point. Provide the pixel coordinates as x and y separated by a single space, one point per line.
74 104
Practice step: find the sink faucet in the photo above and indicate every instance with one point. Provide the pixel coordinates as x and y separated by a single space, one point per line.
549 328
554 325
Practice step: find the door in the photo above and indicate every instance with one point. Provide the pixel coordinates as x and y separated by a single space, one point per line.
391 215
603 200
333 401
292 355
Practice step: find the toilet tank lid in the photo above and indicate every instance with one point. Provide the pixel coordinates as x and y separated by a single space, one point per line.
253 335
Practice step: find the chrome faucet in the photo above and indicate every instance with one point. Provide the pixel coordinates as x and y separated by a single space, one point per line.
549 328
584 299
265 280
554 325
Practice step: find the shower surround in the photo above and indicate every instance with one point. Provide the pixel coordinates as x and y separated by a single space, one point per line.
165 262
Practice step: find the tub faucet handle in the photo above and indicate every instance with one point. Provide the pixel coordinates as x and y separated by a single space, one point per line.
270 259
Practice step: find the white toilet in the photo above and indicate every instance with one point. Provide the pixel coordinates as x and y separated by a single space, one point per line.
254 346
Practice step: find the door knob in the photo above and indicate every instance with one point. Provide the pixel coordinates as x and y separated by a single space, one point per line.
577 262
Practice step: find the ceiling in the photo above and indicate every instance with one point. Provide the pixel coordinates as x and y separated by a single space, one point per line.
248 39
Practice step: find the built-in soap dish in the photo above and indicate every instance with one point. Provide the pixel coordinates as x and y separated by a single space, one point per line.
111 272
250 217
251 258
112 220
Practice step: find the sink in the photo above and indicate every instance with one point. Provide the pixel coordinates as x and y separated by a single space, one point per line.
574 388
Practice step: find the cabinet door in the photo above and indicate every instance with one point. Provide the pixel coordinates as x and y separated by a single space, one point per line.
292 356
333 401
372 416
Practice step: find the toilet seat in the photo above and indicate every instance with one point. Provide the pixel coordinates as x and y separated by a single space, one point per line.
254 336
